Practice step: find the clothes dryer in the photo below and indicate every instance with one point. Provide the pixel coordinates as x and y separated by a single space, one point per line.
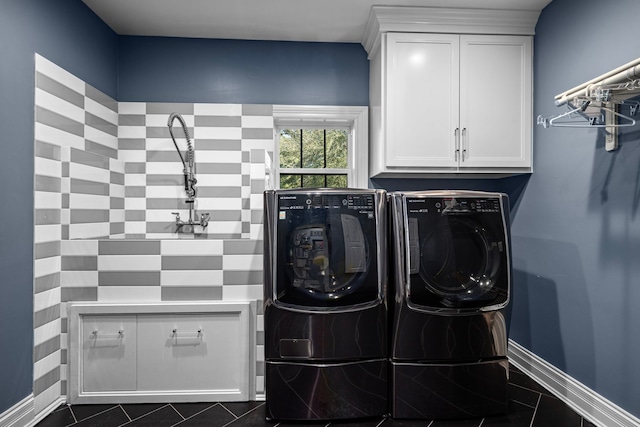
452 277
325 313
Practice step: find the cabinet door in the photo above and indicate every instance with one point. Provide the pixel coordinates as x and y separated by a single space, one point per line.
495 101
108 353
193 352
422 95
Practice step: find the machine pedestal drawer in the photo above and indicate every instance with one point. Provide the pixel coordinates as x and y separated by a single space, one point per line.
460 390
324 391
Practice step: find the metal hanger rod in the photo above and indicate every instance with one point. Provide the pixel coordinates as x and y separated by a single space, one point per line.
621 74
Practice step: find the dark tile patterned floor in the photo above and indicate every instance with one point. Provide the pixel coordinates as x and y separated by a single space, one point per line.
530 405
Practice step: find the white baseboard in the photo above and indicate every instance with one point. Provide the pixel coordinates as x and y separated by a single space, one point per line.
579 397
20 415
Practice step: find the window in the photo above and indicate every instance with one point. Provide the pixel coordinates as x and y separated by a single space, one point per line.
321 147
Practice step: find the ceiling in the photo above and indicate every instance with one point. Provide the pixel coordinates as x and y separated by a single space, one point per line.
291 20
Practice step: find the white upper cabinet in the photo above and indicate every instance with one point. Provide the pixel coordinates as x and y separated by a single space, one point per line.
422 95
496 118
451 103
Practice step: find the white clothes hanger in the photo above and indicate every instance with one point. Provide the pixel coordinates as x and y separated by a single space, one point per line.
587 120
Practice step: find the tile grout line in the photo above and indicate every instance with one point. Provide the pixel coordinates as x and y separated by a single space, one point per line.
229 411
75 420
181 416
535 411
125 413
246 413
142 416
197 413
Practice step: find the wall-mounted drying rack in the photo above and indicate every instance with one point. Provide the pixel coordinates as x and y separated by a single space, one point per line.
598 102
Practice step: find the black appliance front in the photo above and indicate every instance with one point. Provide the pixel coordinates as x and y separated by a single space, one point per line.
452 274
325 314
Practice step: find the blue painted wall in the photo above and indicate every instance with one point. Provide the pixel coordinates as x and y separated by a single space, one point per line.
73 37
576 226
576 234
242 71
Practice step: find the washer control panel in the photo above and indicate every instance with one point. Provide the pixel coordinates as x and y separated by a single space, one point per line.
453 205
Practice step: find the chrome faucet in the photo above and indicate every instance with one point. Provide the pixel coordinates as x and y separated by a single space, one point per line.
188 170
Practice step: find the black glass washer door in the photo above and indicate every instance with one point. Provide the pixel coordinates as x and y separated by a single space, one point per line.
327 252
457 260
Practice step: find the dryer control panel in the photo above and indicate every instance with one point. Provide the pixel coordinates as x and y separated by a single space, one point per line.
327 201
453 205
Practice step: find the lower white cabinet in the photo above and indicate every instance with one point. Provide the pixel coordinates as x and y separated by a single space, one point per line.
137 353
190 352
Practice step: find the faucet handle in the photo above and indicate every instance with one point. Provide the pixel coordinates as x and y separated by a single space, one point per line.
204 219
177 214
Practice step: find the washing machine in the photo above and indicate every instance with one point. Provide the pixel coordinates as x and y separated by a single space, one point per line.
451 272
325 307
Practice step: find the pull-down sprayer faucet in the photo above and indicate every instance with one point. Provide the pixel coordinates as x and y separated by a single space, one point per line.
188 171
188 166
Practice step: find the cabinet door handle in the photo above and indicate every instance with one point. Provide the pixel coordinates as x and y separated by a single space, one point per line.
112 334
197 332
456 137
464 142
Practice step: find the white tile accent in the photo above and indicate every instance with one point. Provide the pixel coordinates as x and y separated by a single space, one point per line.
46 299
135 180
257 121
44 400
217 109
47 200
101 111
59 106
59 74
116 190
89 231
255 144
78 279
161 120
137 203
137 156
166 144
45 266
219 157
242 292
217 132
54 136
220 203
116 215
46 332
129 293
47 233
191 277
48 167
198 247
242 262
129 263
219 180
79 247
46 365
260 353
88 201
100 137
167 168
165 192
260 322
132 107
132 132
135 227
116 165
89 173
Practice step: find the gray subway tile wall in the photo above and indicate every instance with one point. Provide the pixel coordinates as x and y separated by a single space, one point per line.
109 170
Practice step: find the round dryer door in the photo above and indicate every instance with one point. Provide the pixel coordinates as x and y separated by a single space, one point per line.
457 260
327 251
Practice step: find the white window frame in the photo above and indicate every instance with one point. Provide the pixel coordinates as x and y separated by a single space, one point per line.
356 119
